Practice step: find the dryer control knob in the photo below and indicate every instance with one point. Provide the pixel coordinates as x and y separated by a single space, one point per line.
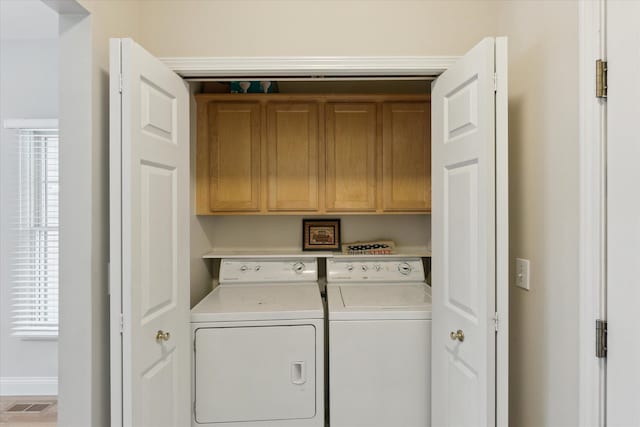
349 267
377 267
298 267
364 267
404 268
244 268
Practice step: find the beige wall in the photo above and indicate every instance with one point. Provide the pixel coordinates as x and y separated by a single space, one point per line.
314 28
543 179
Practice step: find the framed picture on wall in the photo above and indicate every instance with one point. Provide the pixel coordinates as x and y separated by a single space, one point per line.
320 234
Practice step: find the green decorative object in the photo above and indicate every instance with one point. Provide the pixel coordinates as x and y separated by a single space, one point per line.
263 86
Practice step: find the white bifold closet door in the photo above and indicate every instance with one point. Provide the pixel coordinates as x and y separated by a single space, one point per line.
469 229
149 254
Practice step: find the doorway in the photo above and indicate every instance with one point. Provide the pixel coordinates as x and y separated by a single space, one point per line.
130 70
60 90
29 195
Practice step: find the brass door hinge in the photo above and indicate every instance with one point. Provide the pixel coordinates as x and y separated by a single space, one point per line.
601 338
601 78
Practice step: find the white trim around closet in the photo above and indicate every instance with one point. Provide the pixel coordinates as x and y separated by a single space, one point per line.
309 66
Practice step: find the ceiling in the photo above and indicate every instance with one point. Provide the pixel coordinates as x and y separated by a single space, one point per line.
27 19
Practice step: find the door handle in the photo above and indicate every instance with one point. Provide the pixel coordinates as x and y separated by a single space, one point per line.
298 373
457 335
162 336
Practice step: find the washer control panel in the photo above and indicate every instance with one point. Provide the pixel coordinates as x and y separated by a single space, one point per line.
374 270
240 270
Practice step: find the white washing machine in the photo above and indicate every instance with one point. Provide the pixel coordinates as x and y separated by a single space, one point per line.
379 342
258 337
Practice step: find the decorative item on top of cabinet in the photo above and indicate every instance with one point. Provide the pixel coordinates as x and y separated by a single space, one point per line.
406 155
228 157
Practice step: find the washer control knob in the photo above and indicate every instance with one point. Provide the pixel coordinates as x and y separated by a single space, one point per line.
244 268
349 267
404 268
364 267
298 267
377 267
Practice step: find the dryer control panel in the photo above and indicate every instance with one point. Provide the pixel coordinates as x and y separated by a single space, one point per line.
256 270
374 270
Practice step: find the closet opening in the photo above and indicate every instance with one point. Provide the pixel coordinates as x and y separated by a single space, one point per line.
368 126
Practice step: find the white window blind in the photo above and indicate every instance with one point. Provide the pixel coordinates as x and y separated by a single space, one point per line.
36 255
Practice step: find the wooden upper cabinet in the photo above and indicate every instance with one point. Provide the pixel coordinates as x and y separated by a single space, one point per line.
284 154
350 138
292 156
228 157
406 155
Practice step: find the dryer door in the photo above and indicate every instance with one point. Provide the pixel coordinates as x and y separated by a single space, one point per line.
255 373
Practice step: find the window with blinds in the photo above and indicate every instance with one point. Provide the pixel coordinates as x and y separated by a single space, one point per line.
36 254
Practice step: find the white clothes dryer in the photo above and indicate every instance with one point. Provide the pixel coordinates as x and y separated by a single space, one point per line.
258 356
379 313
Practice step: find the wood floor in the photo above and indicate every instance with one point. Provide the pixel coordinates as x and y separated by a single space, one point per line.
28 411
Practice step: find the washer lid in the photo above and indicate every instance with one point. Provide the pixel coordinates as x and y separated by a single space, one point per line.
237 302
372 302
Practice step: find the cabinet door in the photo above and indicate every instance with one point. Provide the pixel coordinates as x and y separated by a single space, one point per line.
292 147
406 156
229 156
350 156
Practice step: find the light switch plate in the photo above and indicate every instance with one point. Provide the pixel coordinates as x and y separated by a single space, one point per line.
522 273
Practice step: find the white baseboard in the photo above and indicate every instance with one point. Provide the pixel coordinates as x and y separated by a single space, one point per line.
28 386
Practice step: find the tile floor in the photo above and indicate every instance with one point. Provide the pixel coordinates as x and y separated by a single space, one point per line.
28 411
